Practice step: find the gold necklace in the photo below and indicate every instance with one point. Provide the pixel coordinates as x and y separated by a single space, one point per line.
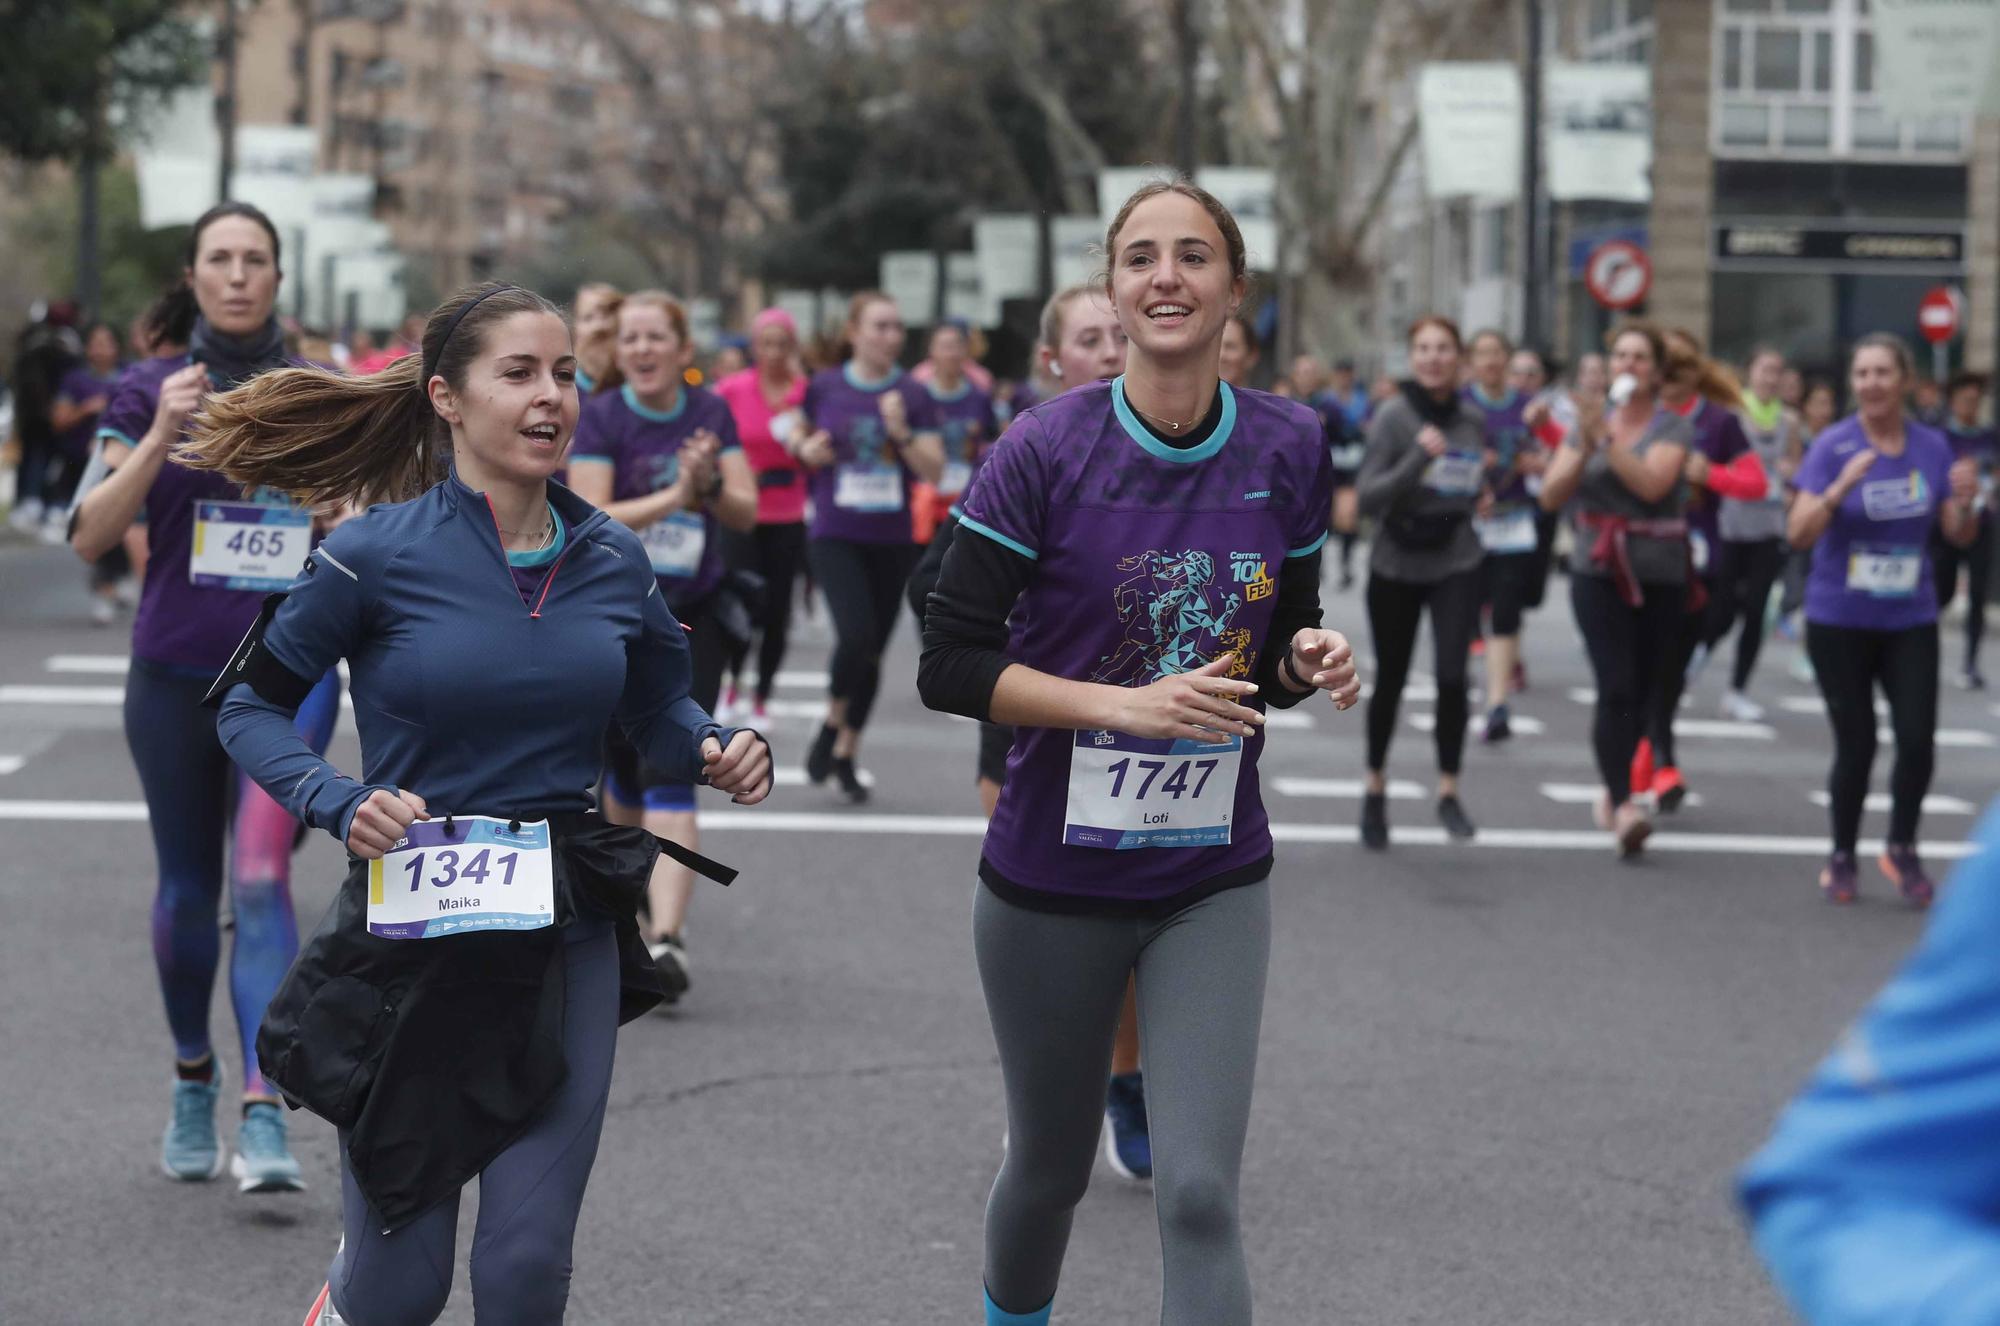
1169 424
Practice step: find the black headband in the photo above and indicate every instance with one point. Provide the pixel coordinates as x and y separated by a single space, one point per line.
431 368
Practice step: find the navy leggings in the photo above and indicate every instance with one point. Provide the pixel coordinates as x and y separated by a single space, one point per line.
529 1195
197 801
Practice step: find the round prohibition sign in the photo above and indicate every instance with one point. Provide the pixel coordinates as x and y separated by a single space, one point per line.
1618 275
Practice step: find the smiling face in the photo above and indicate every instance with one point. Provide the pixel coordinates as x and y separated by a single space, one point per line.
1965 403
1171 282
1876 382
235 275
1819 408
515 412
877 336
1767 371
1434 358
774 347
102 350
1092 345
651 353
1593 375
1525 373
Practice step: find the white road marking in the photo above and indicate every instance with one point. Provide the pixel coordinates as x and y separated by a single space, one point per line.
974 826
1956 737
1934 804
11 763
1725 729
1586 794
1524 725
788 777
801 681
79 695
110 665
1816 705
1400 789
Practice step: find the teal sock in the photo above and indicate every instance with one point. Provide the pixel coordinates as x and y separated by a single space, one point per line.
996 1316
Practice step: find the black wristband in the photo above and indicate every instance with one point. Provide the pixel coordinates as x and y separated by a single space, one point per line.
1290 674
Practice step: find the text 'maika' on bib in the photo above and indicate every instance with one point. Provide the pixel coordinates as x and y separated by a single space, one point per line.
463 874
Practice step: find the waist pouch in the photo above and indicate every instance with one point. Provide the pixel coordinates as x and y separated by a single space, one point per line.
1424 531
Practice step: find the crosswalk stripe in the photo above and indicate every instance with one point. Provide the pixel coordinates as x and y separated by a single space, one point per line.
1956 737
1725 729
11 763
111 665
1586 794
1934 804
80 695
973 826
1524 725
1399 789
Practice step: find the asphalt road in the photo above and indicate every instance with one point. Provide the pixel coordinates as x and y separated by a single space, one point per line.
1500 1083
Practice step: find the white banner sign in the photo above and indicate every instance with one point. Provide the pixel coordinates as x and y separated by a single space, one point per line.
1076 240
1938 57
962 290
909 276
1006 246
1597 127
1470 120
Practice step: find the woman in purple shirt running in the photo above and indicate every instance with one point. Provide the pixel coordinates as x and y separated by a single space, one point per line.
1870 492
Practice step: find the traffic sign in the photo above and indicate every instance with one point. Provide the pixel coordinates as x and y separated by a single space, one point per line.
1618 275
1940 313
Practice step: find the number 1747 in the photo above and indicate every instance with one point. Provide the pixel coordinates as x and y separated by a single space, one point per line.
1176 784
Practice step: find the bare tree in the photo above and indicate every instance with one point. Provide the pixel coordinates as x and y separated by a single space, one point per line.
1308 115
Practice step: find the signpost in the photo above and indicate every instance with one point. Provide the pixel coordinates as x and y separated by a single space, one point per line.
1939 318
1618 275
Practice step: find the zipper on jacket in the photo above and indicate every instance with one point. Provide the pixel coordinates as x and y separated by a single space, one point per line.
548 581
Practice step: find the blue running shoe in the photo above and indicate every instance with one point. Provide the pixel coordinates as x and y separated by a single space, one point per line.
192 1149
263 1163
1127 1145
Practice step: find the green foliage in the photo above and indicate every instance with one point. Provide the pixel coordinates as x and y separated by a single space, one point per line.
66 62
139 263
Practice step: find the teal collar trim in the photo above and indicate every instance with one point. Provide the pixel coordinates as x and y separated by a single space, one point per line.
631 398
859 383
964 390
543 556
1139 433
585 384
1505 401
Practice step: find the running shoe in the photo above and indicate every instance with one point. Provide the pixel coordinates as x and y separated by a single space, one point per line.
1899 862
103 611
1669 789
55 531
1801 667
322 1312
1971 680
1479 647
728 709
263 1163
1497 727
27 515
1740 708
192 1149
1839 880
1642 767
1630 828
849 779
819 759
671 957
1457 824
760 712
1375 821
1128 1147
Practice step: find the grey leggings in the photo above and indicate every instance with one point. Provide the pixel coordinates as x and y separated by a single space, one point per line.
1054 985
529 1196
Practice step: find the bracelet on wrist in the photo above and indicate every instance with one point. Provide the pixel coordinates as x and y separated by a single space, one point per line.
1291 675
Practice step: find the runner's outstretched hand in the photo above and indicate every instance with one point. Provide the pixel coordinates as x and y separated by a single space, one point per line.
1325 659
743 770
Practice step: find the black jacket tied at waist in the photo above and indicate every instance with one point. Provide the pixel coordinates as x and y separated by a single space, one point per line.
433 1055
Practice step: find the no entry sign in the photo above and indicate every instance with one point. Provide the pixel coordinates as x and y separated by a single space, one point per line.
1940 314
1618 274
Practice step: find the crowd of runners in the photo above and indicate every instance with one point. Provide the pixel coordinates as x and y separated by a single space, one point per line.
1114 565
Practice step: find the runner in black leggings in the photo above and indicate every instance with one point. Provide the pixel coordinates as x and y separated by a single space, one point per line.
1620 477
1871 492
1421 480
1974 441
871 435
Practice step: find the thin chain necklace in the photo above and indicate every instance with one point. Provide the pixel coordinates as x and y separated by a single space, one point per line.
1170 425
547 536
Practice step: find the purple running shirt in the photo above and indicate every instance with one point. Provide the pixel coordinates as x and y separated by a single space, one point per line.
1871 570
864 496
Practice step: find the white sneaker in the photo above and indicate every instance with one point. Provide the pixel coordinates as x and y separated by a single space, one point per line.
103 611
1740 708
55 531
27 515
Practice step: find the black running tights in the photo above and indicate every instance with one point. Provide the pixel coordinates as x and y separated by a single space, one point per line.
863 587
1395 608
1850 664
1631 649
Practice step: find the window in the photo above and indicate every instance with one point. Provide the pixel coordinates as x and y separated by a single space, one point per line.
1797 78
1619 31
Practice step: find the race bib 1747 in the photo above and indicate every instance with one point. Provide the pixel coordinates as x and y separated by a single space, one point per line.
450 877
1127 792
